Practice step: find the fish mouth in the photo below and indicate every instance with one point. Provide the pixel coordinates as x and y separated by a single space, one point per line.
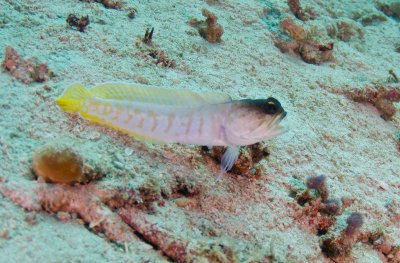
277 119
268 130
282 115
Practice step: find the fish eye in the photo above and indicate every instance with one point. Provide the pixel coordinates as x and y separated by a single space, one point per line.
271 106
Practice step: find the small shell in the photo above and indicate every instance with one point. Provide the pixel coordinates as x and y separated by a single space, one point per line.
128 151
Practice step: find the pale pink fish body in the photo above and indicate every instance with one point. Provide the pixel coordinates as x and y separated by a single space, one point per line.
162 123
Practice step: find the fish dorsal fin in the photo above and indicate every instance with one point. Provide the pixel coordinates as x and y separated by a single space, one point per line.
157 95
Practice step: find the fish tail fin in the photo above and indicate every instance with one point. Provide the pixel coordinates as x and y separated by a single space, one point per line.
73 98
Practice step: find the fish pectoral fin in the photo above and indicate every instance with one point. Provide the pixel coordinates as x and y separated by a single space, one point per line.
229 158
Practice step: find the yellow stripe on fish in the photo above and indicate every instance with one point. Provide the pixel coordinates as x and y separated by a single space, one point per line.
182 116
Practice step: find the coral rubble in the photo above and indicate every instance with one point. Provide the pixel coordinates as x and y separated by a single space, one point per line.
84 200
161 59
25 70
310 51
113 212
379 96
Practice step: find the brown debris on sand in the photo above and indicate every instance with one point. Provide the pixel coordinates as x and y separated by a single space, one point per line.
80 23
314 218
299 12
294 30
25 70
149 50
390 9
310 52
295 8
318 213
112 4
179 249
209 29
161 59
393 76
342 245
346 30
148 36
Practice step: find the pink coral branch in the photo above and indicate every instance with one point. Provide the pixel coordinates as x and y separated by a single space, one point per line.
169 245
72 199
22 196
88 206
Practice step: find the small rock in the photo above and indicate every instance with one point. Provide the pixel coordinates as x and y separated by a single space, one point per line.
383 185
118 165
4 234
31 219
119 157
63 216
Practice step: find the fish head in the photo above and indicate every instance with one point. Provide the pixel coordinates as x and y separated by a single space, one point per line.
252 121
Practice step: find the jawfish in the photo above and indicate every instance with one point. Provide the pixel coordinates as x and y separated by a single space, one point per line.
162 115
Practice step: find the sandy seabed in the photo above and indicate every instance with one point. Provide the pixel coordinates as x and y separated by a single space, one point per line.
180 210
